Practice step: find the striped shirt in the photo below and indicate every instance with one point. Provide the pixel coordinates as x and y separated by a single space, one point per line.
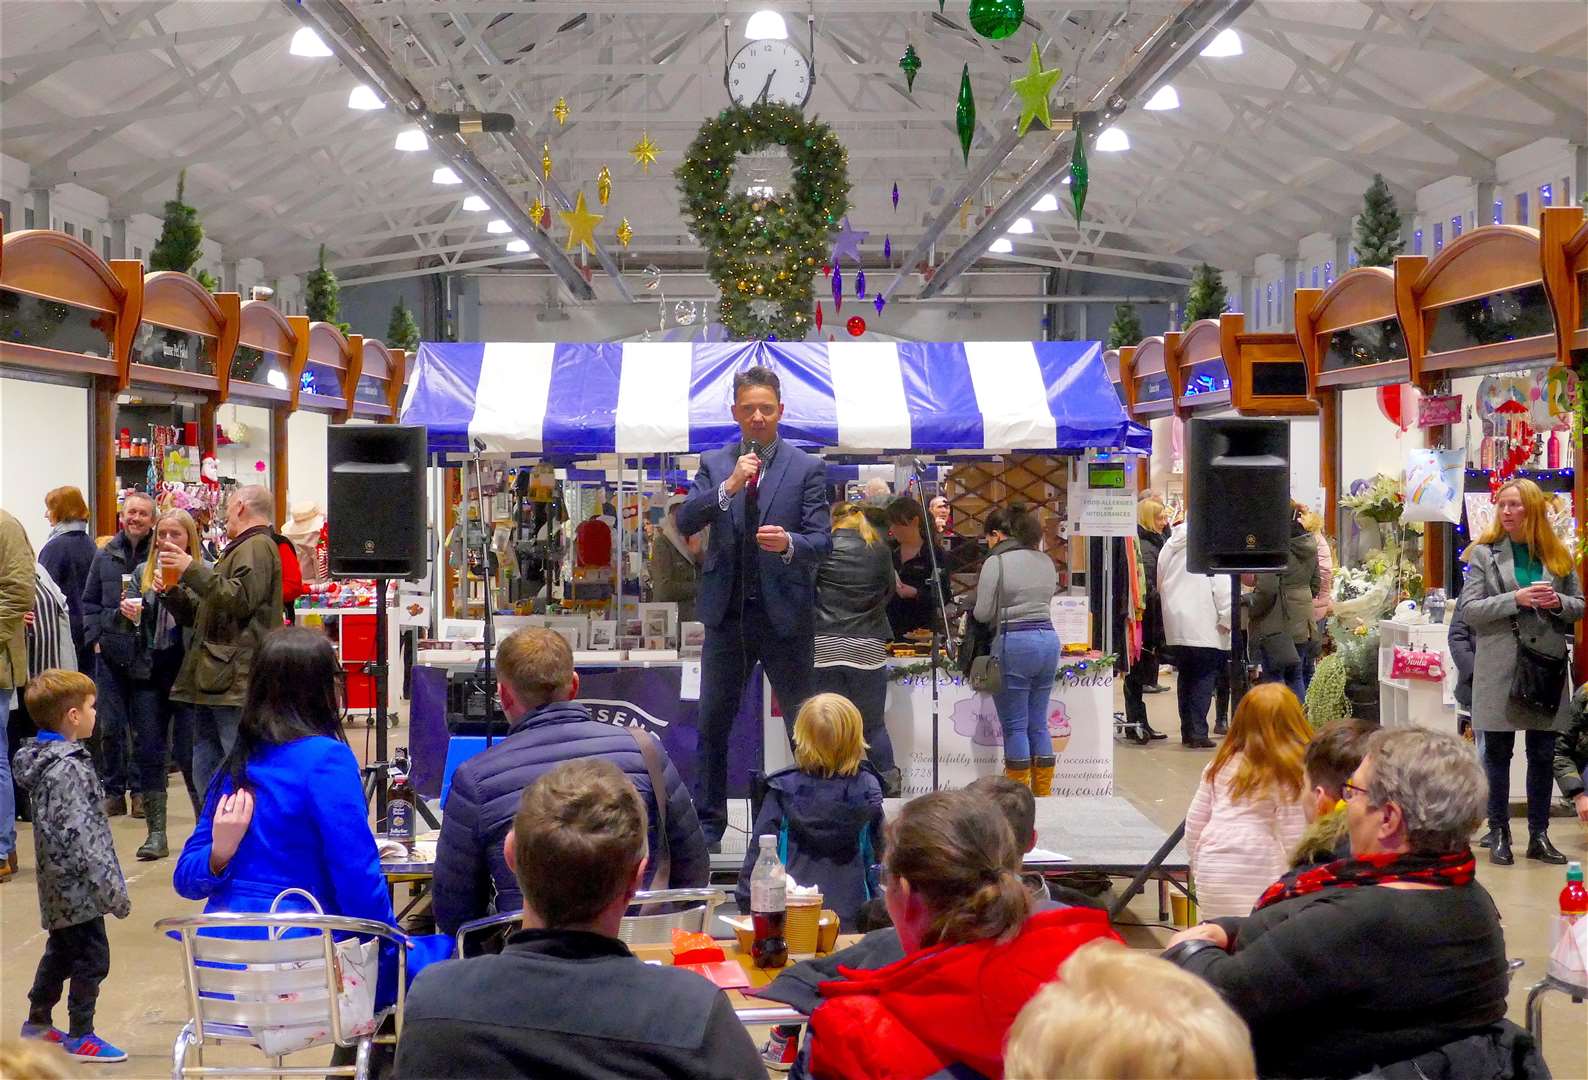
50 637
867 654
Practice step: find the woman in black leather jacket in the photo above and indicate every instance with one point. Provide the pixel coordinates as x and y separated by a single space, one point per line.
853 586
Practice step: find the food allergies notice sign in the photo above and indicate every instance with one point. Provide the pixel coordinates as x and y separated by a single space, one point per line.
1101 498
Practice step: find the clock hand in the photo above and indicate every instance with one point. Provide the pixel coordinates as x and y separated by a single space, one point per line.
761 97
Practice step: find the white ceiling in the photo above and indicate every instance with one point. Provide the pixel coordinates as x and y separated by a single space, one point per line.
1267 147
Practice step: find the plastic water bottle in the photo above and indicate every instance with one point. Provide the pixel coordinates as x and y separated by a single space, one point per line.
769 906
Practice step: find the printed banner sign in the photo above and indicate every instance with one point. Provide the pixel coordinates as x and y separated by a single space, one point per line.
1438 411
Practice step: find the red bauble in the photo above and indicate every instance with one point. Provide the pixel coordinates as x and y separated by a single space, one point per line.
827 269
856 326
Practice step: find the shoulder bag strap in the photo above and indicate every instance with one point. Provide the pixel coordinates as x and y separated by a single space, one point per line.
662 857
998 600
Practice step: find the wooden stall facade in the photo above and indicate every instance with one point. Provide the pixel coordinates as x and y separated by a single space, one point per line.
1198 376
1144 376
272 351
1268 376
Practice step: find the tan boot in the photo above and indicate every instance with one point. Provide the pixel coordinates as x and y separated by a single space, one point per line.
1018 770
1042 775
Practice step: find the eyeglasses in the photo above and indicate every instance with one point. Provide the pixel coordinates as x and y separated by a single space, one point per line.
1347 788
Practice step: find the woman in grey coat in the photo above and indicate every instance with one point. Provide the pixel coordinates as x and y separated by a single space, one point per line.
1517 571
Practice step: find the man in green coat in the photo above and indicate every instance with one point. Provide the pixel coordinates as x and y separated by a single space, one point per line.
16 601
239 602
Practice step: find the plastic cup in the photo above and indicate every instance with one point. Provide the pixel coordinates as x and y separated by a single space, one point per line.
169 576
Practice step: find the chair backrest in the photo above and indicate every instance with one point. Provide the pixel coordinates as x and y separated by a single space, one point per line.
693 914
283 975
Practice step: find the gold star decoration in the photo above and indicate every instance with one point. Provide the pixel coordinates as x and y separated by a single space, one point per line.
581 225
560 111
604 185
1033 91
625 232
644 152
537 210
545 161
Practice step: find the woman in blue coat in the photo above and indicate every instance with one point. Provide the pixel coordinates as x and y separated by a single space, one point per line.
286 810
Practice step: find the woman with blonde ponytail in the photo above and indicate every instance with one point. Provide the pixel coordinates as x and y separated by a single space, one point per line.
974 952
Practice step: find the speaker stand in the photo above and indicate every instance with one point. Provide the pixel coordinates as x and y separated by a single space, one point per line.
378 769
1240 681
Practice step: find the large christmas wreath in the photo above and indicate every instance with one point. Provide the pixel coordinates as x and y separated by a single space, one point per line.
763 246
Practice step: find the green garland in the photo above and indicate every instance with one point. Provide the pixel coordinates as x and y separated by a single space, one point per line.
763 252
897 672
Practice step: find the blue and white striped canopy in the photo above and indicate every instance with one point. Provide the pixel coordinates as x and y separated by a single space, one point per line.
674 397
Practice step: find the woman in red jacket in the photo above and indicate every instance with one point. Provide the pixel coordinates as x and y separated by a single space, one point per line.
974 953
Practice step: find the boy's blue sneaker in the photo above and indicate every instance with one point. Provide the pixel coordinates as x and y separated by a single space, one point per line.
46 1032
92 1048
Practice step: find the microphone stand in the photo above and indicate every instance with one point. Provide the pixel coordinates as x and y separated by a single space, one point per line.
486 670
940 631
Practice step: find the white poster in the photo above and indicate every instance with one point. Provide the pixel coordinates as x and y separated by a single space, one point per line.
970 739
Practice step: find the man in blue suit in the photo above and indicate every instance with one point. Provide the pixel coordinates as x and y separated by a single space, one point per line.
766 503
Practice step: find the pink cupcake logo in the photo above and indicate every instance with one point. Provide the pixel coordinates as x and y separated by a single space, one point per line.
976 718
1059 726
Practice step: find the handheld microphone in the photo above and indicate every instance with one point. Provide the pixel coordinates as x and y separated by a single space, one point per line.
754 482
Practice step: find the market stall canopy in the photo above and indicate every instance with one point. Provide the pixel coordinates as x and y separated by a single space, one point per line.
674 397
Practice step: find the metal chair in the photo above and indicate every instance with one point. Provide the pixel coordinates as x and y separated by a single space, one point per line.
236 985
634 930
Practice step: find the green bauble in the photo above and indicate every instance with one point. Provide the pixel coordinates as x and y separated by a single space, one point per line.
996 18
965 114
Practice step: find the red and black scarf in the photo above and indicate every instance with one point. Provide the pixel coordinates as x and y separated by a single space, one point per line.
1379 868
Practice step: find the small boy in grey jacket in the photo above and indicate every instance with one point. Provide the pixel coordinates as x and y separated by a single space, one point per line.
79 876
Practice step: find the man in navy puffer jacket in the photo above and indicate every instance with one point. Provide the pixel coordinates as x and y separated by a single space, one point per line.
537 683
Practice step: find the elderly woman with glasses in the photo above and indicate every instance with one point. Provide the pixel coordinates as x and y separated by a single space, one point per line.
1373 959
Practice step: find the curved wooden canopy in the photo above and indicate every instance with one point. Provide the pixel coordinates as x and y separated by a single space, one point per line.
1362 297
1198 344
177 301
1138 365
50 265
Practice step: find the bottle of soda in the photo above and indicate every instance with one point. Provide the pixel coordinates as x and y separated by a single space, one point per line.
1574 897
768 907
1566 939
400 810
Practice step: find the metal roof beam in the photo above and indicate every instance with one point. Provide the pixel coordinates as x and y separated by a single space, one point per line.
60 58
1482 50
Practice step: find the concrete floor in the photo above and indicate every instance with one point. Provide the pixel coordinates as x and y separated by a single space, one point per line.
142 1005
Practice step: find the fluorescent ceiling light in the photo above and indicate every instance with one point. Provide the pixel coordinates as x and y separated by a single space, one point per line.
474 204
518 247
1227 43
307 43
497 225
766 24
1045 205
1163 100
1021 227
412 140
1112 140
364 99
1001 246
445 175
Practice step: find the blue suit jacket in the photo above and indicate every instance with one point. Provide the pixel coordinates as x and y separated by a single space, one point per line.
792 494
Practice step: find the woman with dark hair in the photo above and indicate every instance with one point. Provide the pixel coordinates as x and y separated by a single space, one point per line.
286 810
853 586
1013 598
915 606
974 953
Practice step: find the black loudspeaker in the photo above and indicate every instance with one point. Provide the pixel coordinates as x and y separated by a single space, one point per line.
1237 492
376 510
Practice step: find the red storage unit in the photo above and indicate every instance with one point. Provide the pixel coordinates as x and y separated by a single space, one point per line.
358 648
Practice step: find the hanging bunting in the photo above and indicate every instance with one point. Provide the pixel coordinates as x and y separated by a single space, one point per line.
560 111
860 285
545 161
1080 172
644 152
878 302
838 287
625 232
1033 91
965 114
910 63
604 185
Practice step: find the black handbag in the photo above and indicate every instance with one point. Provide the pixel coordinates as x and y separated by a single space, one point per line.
1539 681
984 671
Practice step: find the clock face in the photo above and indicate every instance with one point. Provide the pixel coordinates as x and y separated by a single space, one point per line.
776 69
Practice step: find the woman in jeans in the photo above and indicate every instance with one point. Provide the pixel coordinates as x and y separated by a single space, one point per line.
1013 597
1519 580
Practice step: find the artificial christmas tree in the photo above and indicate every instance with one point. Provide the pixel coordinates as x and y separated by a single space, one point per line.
181 238
320 295
1206 298
1378 228
402 332
1126 327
